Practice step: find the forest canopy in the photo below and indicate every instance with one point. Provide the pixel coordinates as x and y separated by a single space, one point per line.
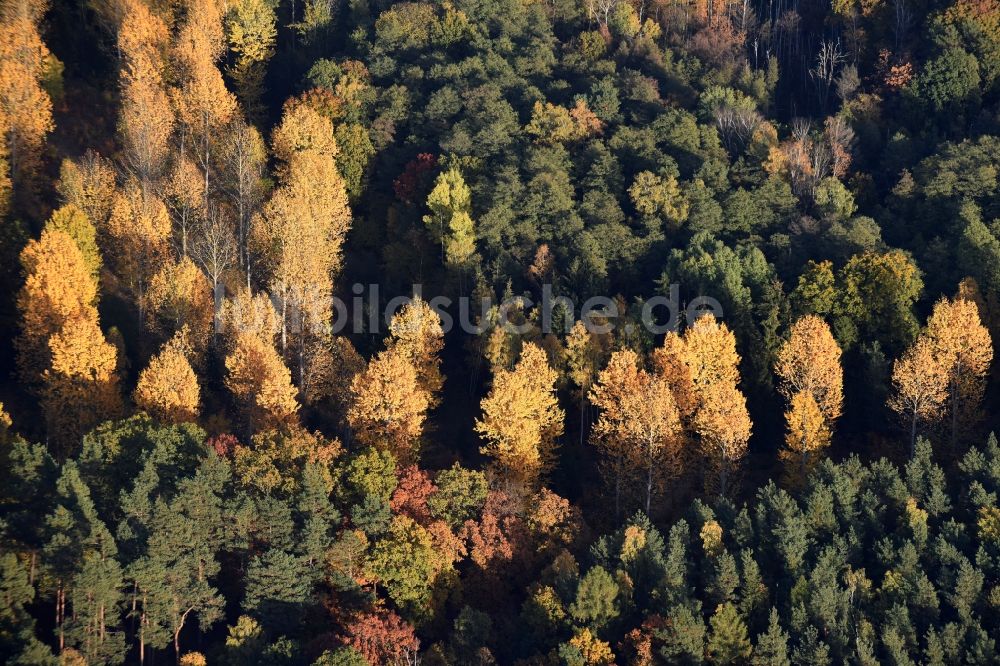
238 426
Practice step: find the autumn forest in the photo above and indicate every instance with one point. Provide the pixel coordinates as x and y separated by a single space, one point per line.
725 394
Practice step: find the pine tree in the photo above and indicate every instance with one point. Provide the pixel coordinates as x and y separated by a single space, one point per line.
727 640
80 555
772 646
596 599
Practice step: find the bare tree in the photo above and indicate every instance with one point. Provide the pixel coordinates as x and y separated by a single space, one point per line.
736 126
828 59
214 248
244 161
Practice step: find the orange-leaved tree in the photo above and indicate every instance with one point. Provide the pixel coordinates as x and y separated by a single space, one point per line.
260 382
25 107
136 237
147 119
920 385
81 384
639 426
59 288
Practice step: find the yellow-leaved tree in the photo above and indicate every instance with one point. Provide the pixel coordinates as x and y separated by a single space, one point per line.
72 221
80 387
204 106
298 235
720 421
920 385
88 184
639 426
586 352
522 418
25 107
811 379
260 382
59 288
809 361
808 435
136 237
389 405
964 347
146 120
415 332
251 32
168 388
179 295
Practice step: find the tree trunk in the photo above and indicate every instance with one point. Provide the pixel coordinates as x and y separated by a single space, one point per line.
649 484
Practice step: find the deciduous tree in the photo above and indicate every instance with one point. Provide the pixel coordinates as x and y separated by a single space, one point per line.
639 425
72 221
168 388
260 382
81 385
301 229
25 107
809 361
137 237
720 419
415 332
808 435
920 385
88 184
180 296
964 347
251 32
450 220
146 120
389 406
522 418
59 289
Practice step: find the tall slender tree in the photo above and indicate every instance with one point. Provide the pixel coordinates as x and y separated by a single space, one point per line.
639 426
522 418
